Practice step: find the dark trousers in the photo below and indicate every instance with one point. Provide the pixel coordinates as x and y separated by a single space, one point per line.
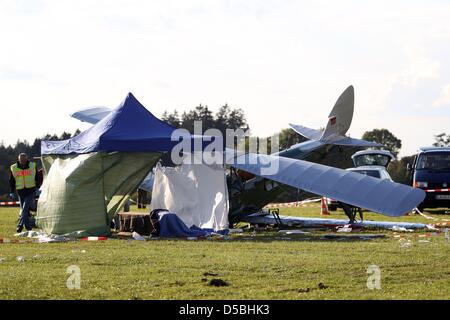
142 198
25 204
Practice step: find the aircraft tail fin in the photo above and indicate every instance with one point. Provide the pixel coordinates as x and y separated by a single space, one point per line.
339 122
341 116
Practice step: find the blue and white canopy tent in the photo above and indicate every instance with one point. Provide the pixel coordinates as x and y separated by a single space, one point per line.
89 177
128 128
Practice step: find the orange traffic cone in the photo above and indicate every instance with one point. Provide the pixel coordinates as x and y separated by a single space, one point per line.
324 207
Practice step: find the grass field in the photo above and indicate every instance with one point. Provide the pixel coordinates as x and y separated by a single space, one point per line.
264 265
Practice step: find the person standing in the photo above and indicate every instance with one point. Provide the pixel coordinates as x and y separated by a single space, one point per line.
142 198
23 180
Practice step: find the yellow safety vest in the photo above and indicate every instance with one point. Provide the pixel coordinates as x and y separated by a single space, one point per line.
25 178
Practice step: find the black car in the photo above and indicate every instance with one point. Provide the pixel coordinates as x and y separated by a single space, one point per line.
431 172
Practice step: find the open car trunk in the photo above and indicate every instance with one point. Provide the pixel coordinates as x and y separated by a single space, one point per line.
372 158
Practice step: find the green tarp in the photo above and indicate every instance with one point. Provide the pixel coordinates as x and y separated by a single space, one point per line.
82 193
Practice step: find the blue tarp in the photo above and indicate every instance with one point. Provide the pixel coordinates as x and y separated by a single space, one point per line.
171 226
129 128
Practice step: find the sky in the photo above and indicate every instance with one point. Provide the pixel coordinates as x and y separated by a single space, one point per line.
280 61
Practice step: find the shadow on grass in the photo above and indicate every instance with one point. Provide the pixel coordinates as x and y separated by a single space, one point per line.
274 236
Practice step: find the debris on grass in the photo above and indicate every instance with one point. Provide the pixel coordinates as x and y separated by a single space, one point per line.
406 244
27 234
294 232
218 283
137 236
345 229
217 237
40 237
401 229
210 274
321 286
20 258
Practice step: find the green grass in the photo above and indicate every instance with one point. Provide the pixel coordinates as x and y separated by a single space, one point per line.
261 266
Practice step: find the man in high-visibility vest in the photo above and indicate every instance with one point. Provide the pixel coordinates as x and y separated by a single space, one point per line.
23 179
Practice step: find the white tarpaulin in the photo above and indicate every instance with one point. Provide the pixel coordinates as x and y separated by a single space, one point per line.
197 193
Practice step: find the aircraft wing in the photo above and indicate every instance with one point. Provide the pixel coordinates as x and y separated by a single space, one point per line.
91 115
347 141
382 196
340 140
308 133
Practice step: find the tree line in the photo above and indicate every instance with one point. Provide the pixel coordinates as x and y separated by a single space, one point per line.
225 118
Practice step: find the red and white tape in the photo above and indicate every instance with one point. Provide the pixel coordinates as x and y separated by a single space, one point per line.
437 190
291 204
425 235
6 240
10 203
94 238
443 224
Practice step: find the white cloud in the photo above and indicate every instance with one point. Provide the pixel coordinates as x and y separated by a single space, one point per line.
444 99
419 67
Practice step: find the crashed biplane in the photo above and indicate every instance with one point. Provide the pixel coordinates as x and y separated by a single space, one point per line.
305 166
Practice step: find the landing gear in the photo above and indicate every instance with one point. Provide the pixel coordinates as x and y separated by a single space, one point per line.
351 212
420 207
